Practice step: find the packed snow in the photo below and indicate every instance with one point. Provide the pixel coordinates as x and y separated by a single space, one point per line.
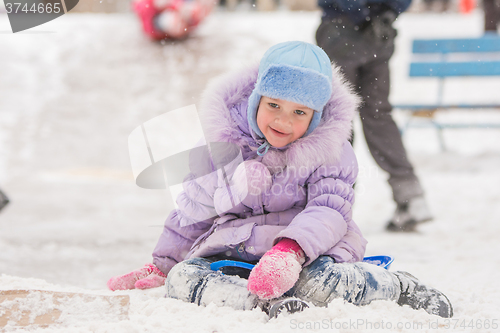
72 90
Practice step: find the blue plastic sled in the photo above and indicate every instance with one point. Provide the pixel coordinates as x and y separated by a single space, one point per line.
382 261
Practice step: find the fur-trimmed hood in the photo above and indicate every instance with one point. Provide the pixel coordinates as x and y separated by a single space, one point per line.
223 114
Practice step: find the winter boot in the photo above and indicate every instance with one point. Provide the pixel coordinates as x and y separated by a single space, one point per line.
409 214
419 296
284 305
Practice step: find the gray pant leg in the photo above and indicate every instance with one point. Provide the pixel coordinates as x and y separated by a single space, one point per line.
193 281
357 283
491 15
370 77
381 132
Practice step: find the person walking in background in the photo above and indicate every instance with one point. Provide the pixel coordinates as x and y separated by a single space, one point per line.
491 15
359 37
3 200
171 19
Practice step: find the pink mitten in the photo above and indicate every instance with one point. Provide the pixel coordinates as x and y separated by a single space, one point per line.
148 276
251 177
277 270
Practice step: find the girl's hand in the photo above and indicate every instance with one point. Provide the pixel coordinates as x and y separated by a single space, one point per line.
146 277
252 177
277 271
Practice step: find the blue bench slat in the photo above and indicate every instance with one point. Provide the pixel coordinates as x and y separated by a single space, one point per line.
456 126
483 44
415 107
445 69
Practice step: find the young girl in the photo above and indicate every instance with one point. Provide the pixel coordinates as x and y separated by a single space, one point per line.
288 206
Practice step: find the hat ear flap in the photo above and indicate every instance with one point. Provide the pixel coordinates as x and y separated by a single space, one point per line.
314 123
253 106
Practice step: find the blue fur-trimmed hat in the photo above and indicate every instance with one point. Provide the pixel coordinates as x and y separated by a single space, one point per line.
294 71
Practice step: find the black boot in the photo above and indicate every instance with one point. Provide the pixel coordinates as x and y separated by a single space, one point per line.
409 214
419 296
278 306
3 200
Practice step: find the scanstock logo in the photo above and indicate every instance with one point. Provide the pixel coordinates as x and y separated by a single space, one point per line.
31 13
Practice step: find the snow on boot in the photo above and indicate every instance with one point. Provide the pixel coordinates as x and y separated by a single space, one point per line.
419 296
284 305
409 214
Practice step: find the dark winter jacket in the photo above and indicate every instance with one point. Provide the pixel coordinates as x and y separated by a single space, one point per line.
361 11
307 186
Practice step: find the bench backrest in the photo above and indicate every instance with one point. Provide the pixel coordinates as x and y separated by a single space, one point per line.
486 44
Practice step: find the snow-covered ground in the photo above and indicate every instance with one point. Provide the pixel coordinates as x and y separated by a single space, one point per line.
72 90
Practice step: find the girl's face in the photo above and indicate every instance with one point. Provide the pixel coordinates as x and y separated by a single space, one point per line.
282 122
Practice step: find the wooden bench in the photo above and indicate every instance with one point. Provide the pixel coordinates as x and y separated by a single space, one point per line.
482 58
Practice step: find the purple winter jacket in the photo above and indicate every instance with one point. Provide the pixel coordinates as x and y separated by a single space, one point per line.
310 198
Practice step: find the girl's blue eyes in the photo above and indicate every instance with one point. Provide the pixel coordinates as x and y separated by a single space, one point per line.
275 106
